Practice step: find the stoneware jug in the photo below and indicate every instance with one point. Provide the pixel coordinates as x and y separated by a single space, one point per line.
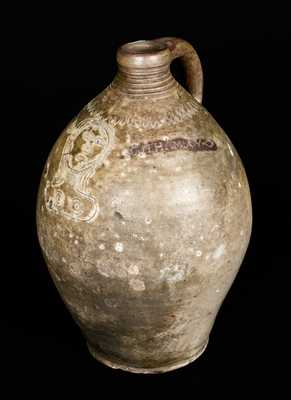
144 213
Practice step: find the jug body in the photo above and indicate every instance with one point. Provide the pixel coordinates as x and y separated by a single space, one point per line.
144 213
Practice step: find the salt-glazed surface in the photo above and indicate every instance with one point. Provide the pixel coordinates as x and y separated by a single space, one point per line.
144 214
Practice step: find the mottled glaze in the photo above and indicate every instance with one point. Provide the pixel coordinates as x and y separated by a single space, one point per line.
144 213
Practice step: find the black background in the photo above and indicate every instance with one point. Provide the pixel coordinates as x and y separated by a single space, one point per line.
52 64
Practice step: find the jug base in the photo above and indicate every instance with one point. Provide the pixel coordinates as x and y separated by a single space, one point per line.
112 363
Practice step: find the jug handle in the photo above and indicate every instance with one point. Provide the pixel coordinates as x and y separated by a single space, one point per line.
194 75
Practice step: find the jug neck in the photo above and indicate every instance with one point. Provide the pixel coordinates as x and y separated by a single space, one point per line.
144 70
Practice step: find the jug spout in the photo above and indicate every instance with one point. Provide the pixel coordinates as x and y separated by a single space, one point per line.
145 66
143 54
